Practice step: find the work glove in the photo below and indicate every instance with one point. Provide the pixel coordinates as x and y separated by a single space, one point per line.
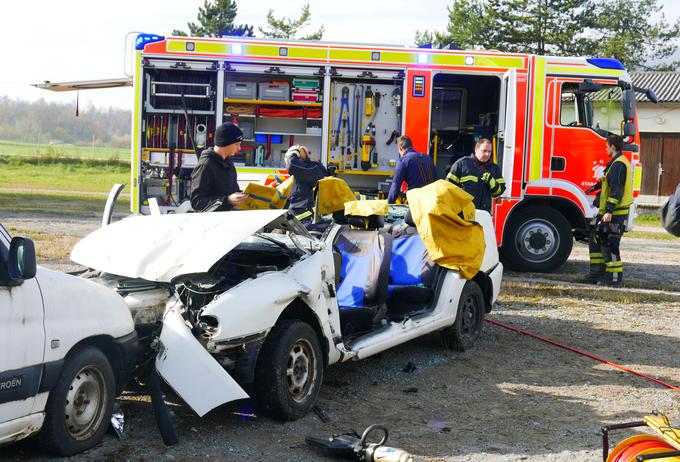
594 188
491 181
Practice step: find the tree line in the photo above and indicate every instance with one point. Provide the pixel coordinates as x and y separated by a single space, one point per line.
42 122
636 32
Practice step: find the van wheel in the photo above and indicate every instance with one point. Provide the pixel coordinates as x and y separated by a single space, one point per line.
467 328
289 370
537 239
79 408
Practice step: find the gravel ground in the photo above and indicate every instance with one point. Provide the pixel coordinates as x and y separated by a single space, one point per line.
510 398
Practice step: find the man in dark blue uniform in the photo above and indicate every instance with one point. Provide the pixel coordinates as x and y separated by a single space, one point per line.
413 168
478 175
213 181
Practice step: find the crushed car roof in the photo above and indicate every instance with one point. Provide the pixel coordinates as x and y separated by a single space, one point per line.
162 248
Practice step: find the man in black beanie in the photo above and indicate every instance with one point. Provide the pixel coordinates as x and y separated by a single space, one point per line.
214 178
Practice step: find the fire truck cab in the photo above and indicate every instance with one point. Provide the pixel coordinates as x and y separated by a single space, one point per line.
547 118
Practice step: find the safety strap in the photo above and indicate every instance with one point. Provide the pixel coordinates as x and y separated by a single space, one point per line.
303 215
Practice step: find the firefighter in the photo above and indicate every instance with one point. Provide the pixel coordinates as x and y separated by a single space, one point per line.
307 172
613 200
478 175
213 181
413 168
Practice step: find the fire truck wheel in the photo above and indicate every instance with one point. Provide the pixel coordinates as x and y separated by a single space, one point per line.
537 239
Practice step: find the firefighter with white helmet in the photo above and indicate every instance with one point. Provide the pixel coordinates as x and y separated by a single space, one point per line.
307 171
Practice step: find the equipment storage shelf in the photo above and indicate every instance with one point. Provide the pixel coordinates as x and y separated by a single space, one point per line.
179 114
276 108
271 103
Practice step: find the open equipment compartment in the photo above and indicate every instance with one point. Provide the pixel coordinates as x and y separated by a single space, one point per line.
276 107
178 122
464 109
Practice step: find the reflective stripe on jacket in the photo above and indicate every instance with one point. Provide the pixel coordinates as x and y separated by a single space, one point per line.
467 173
617 187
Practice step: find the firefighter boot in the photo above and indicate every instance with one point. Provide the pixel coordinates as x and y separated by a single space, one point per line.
597 269
613 276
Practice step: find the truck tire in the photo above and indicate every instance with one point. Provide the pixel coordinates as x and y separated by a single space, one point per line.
79 408
289 370
467 328
537 239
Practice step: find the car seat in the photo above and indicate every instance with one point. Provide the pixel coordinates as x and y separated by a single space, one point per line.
412 272
364 274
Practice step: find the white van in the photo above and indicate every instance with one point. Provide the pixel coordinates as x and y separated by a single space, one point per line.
66 349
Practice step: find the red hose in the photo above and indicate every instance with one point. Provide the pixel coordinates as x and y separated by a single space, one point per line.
583 353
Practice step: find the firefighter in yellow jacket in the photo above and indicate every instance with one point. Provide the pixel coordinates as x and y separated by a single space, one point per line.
614 200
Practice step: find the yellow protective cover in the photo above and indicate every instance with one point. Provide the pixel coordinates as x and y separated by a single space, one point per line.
266 197
366 208
451 241
332 193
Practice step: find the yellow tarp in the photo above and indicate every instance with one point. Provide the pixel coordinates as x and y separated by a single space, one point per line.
366 208
265 197
332 193
451 241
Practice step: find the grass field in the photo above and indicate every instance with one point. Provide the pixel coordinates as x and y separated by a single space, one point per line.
63 175
16 148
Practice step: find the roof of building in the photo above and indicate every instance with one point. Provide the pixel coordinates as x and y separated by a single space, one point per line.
666 85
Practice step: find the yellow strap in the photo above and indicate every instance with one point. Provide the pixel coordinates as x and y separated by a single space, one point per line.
469 178
304 215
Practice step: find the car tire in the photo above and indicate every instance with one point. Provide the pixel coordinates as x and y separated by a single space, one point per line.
78 410
537 239
467 328
289 370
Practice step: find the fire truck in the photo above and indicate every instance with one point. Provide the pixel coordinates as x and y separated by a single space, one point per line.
547 118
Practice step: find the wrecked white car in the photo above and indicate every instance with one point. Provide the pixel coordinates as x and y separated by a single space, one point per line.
252 297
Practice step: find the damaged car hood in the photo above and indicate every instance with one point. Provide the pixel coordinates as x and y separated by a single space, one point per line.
161 248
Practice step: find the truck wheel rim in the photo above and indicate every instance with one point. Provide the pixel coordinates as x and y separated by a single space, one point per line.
537 240
85 403
300 370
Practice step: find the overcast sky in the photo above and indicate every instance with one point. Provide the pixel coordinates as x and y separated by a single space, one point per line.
84 39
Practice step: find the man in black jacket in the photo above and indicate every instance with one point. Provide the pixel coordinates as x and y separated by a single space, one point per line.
307 172
478 175
213 181
614 201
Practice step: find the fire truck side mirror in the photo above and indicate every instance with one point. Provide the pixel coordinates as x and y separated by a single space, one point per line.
629 129
628 105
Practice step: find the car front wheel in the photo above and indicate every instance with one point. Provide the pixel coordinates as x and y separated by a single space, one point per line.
289 370
79 408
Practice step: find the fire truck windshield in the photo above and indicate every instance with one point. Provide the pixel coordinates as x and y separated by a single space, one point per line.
601 110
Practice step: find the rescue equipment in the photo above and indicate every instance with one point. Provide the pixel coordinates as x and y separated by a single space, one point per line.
665 446
351 446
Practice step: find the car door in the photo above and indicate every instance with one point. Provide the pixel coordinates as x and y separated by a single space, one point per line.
22 342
